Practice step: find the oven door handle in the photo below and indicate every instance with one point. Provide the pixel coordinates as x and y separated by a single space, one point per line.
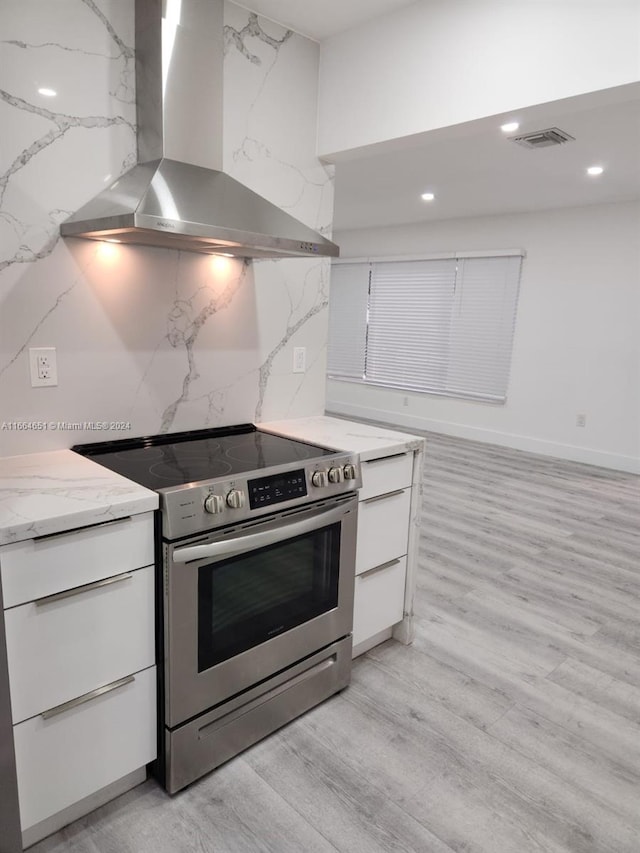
249 541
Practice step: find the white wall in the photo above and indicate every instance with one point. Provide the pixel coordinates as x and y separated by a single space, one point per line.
577 340
438 63
159 339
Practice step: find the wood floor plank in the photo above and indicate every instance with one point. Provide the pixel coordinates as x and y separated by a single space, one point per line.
599 687
480 530
441 786
514 784
346 808
582 764
527 603
233 810
579 714
595 594
464 696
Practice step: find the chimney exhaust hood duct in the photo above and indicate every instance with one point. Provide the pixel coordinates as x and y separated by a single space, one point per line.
177 196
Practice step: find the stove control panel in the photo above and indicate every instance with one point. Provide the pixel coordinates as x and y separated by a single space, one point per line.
278 488
221 501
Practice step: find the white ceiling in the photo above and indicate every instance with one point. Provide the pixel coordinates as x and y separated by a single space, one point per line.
474 170
319 19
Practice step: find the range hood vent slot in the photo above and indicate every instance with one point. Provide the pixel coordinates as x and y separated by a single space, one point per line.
543 138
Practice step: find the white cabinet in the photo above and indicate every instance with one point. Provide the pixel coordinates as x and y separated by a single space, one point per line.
46 565
63 758
379 599
384 513
386 474
383 529
79 626
64 645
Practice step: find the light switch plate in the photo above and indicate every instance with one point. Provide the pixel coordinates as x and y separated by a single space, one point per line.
299 359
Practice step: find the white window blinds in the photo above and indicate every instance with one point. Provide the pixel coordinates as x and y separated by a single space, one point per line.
348 320
409 315
443 326
482 325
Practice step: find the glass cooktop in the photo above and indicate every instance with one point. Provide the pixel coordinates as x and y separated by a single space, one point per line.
163 461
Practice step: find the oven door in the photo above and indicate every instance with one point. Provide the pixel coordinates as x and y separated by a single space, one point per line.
245 602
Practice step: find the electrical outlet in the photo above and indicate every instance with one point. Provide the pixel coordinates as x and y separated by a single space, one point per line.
299 359
43 366
581 420
405 401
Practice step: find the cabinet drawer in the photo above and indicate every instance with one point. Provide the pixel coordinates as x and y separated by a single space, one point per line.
379 600
383 529
67 757
39 567
62 648
386 474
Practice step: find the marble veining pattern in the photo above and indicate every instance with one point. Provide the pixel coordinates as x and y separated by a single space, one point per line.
43 493
185 328
252 28
155 338
368 440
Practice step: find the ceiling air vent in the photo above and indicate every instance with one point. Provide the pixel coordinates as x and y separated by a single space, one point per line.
543 138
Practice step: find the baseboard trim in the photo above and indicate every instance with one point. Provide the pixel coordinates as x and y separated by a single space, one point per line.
365 645
32 834
587 455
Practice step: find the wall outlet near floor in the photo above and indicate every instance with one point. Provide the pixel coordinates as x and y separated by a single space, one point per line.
299 359
405 401
581 420
43 366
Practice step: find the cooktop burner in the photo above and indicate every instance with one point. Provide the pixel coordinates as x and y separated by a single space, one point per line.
160 462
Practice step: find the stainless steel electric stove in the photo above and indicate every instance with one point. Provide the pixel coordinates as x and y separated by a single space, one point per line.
256 544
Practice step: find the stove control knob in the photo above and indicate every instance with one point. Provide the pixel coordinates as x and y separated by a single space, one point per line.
319 479
335 475
235 499
213 504
350 472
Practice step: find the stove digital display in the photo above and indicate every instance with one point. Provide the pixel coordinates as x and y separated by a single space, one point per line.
277 488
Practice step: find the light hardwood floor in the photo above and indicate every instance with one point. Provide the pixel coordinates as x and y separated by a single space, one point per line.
512 725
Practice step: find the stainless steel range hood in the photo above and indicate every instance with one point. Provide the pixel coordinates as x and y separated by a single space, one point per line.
177 196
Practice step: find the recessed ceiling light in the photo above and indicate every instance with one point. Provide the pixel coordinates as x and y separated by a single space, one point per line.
595 170
427 196
509 127
48 93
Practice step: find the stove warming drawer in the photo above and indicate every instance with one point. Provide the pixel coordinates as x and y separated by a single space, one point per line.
213 738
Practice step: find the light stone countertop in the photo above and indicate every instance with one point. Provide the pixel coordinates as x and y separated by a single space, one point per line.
368 440
43 493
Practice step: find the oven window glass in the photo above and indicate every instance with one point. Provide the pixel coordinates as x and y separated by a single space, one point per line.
247 599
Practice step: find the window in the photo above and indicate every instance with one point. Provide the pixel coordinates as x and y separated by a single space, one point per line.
443 325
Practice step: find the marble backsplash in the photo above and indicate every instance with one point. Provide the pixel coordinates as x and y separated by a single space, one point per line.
149 339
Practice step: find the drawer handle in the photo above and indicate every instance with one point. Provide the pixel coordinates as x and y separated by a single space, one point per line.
382 497
75 530
377 569
78 590
383 458
87 697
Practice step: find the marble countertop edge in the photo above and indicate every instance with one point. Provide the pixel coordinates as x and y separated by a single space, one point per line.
59 490
368 440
